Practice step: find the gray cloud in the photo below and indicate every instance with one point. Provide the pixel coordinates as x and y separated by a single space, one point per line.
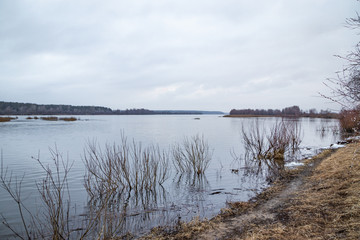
172 54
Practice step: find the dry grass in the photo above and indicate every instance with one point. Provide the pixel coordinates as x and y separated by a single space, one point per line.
181 231
327 207
6 119
50 118
67 119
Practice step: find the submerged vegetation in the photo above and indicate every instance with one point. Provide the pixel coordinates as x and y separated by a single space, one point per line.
124 168
266 149
193 155
283 137
52 219
67 119
116 177
7 119
49 118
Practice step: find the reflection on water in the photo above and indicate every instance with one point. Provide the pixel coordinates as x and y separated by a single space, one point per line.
179 197
325 130
136 212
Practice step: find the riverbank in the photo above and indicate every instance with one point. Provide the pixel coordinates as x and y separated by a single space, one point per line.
329 116
320 200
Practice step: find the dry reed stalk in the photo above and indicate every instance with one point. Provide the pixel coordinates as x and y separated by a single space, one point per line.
282 137
6 119
192 155
124 168
52 220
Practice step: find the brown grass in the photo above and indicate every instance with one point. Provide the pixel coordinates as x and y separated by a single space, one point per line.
6 119
326 207
181 231
50 118
67 119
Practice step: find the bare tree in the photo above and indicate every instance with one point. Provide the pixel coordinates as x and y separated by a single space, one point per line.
345 88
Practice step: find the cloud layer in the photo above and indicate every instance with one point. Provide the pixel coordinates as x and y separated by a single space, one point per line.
209 55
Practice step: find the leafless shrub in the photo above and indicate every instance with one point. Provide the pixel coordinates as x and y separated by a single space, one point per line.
52 221
350 120
254 140
53 190
193 155
13 187
266 148
119 174
125 167
273 144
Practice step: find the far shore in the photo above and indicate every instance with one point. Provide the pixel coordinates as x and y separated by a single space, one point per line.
284 116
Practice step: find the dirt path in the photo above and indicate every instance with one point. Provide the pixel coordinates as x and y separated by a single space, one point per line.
320 200
264 212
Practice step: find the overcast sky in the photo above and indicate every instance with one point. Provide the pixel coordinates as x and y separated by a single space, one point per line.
165 54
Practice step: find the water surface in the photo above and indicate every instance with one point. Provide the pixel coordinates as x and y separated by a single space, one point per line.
183 196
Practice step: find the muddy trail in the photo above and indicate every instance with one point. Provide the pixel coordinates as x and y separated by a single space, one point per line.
320 200
265 208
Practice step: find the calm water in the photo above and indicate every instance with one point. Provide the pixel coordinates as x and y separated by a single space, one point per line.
183 197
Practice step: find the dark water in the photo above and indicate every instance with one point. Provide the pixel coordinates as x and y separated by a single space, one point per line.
183 196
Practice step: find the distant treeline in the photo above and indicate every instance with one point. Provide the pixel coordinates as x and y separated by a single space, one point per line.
293 111
15 108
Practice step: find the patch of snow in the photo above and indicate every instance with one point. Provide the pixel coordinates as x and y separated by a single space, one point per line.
353 138
336 146
293 164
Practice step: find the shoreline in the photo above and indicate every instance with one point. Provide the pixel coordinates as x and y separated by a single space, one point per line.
279 116
306 203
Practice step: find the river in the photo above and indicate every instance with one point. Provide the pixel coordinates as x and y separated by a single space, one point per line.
182 196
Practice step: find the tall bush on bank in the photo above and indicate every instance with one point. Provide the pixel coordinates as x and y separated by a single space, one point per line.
350 120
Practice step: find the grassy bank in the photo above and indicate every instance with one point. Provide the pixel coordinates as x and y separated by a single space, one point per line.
320 200
327 206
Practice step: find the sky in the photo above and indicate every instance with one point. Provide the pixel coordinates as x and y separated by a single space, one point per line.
166 54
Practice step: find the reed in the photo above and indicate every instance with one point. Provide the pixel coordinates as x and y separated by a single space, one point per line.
282 137
68 119
192 155
52 219
6 119
124 168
